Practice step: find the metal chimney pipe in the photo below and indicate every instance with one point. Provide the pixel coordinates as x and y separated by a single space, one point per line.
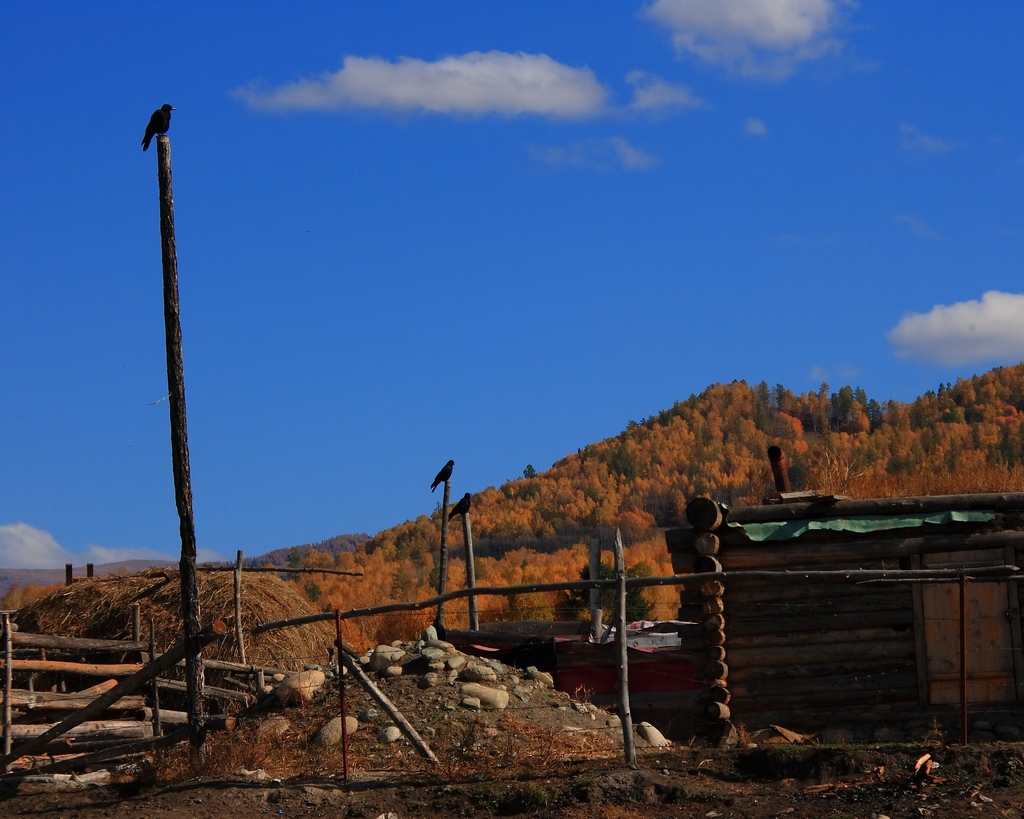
779 468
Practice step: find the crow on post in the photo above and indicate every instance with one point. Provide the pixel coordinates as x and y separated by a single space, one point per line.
158 124
443 475
461 508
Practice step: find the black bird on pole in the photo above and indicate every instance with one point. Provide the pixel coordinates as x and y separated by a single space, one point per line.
461 508
443 475
158 124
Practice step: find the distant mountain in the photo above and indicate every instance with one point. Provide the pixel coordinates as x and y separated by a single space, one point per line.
289 556
292 555
49 577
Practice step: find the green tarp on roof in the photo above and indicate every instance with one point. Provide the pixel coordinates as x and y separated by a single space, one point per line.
788 529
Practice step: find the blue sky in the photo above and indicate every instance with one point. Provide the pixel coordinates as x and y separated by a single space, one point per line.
487 231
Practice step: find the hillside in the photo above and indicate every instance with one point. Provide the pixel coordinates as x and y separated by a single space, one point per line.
962 437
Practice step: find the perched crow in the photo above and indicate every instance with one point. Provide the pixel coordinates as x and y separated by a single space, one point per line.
158 124
461 508
443 475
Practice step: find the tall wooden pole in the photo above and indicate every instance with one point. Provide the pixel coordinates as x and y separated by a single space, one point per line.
239 634
179 452
625 714
964 727
474 611
8 654
442 566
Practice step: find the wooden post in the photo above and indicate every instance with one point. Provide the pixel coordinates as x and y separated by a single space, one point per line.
341 694
239 634
155 692
179 451
68 574
474 611
596 611
88 570
442 566
8 656
628 744
963 660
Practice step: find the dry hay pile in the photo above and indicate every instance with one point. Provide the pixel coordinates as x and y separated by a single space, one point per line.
102 608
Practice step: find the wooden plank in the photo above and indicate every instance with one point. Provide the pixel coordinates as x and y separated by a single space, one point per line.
85 669
129 729
903 618
820 671
920 643
869 600
1016 636
798 654
851 637
822 688
52 701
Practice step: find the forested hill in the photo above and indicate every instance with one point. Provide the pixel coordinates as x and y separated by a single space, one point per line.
962 437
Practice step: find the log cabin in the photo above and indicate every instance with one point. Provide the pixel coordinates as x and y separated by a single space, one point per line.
847 660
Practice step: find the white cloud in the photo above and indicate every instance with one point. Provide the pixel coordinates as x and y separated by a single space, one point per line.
25 547
598 154
916 226
477 83
913 140
988 330
751 37
652 93
755 127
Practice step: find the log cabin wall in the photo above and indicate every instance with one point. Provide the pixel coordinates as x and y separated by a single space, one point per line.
869 661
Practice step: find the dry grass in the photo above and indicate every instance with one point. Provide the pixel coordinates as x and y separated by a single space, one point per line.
102 608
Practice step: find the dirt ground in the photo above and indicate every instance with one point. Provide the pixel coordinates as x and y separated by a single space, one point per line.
544 755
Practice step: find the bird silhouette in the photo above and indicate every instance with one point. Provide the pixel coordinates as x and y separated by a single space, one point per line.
443 475
461 508
158 124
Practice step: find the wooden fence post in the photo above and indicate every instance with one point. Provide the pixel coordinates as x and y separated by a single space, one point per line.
596 610
239 634
8 656
442 566
474 611
179 451
628 744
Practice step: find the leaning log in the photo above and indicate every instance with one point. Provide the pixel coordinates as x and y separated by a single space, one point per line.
22 639
52 701
96 729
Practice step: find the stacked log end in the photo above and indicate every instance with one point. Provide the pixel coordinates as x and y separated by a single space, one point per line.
714 715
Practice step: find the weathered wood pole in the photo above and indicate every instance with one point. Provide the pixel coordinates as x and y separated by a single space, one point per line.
963 660
8 656
467 534
179 451
596 610
68 574
628 743
442 566
341 694
239 634
155 690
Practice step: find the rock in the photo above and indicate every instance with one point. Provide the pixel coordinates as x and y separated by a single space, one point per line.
429 732
433 653
472 703
495 666
369 715
298 689
541 677
279 678
455 662
389 734
383 656
478 673
652 735
427 680
330 733
429 634
273 727
614 721
442 645
491 699
391 671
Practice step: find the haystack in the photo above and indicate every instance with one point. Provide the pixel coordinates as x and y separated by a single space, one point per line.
102 608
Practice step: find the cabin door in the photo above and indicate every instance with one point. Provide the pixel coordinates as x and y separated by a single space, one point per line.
993 631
